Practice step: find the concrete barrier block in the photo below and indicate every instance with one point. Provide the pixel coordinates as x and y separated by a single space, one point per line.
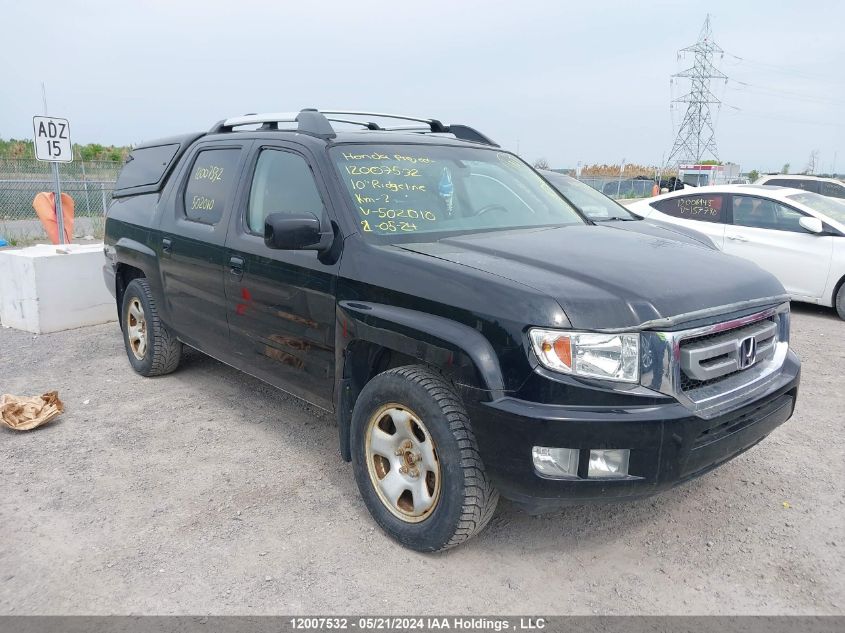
48 288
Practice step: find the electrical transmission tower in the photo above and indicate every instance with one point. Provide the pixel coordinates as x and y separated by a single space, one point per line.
697 136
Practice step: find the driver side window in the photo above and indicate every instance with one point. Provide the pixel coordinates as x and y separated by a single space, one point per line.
760 213
282 183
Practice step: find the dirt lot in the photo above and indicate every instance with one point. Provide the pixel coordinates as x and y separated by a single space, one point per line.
208 492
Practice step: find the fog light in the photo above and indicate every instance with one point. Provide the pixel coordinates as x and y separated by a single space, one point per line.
555 462
611 462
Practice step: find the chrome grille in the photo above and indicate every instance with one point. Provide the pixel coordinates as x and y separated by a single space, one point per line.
712 357
707 368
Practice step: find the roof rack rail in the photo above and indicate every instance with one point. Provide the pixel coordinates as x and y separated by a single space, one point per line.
319 123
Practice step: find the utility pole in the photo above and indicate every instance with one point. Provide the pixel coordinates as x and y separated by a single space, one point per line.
696 136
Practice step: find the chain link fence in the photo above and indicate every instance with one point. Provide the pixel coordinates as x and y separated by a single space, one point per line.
621 188
89 183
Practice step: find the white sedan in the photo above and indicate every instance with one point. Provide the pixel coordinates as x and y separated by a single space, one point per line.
829 187
798 236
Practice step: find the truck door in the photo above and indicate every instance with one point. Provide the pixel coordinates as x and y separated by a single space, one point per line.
281 304
191 250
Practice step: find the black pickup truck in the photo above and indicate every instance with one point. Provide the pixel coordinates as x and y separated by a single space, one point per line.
473 332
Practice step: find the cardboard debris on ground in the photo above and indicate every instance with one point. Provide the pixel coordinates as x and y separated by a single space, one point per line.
23 414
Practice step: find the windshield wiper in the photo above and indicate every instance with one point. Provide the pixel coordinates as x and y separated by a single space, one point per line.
613 219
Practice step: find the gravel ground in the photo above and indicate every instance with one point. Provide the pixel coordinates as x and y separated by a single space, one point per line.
209 492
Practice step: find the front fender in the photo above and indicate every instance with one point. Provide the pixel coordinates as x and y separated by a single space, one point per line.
459 350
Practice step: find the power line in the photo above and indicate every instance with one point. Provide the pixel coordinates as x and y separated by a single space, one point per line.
734 110
779 92
697 135
779 68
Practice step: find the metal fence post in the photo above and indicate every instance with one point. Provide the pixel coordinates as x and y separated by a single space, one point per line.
85 186
60 219
619 181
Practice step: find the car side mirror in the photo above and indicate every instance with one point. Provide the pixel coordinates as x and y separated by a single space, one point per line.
813 225
295 232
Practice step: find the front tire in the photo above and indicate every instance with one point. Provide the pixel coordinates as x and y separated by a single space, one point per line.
840 302
153 350
416 461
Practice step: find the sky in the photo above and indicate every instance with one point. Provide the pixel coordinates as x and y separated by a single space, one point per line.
567 81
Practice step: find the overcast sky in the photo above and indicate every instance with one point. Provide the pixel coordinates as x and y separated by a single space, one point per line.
585 81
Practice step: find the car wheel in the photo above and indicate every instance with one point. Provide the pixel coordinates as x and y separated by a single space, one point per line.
416 461
840 302
153 350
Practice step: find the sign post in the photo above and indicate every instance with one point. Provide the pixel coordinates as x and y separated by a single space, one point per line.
52 144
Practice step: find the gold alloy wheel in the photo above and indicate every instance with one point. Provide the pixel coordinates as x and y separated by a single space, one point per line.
402 462
136 328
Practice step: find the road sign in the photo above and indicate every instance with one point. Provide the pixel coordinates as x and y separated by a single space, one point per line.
52 139
52 144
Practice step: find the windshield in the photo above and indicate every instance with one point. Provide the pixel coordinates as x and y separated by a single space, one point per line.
412 191
827 206
590 202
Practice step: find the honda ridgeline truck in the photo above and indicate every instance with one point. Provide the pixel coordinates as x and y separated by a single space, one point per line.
473 332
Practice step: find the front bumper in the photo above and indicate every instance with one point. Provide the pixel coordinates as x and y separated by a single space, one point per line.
668 444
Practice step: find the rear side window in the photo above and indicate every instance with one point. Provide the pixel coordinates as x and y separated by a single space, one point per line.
210 183
701 207
146 166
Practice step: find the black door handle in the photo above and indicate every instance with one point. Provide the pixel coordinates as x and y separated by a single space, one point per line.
236 266
166 246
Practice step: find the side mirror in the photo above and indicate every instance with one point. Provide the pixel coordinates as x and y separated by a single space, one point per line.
295 232
813 225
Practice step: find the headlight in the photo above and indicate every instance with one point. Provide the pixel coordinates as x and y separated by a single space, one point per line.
589 354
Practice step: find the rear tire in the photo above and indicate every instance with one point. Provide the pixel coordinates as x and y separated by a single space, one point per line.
153 350
416 461
840 302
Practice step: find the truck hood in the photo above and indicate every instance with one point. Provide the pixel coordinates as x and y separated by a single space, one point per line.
609 279
656 228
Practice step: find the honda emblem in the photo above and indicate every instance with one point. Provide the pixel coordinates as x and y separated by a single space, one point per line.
747 352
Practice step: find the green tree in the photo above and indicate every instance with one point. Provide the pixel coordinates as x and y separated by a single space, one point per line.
785 168
86 152
753 175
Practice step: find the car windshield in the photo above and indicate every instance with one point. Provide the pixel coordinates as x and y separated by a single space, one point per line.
409 192
822 204
596 206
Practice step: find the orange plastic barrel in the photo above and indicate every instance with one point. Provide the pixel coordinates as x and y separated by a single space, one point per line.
44 204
